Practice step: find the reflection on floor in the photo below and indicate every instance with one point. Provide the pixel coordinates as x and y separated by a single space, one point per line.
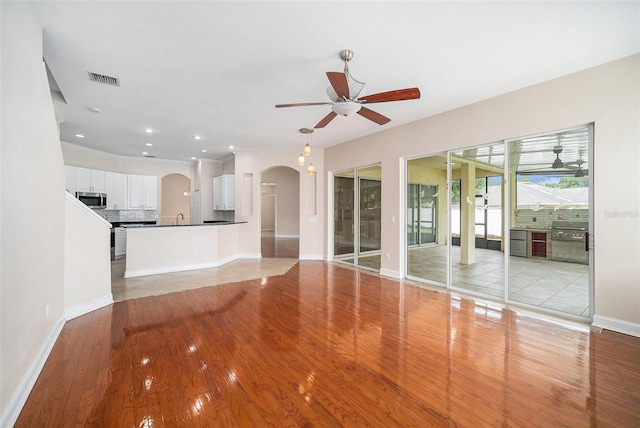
155 285
279 247
371 261
559 286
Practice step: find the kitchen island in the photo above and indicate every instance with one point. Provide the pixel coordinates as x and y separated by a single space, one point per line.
160 249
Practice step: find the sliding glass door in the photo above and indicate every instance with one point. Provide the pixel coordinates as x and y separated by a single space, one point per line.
531 196
426 249
477 260
357 216
549 221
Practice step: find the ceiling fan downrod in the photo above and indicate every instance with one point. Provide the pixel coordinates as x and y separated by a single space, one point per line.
346 55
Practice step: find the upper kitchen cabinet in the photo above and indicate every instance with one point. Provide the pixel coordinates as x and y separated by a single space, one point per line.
116 189
89 180
70 172
142 192
224 192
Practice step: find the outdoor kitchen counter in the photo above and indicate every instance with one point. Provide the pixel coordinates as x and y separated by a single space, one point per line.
531 229
155 249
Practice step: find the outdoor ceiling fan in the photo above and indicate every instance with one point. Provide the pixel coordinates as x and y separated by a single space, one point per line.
560 164
346 99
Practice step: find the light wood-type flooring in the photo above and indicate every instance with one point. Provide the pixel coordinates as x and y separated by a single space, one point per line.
329 346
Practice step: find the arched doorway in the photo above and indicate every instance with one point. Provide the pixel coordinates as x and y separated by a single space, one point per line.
176 200
280 213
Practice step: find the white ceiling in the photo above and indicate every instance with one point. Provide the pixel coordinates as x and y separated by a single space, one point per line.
217 68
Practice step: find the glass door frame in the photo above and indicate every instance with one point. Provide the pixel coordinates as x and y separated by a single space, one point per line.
591 217
404 242
356 215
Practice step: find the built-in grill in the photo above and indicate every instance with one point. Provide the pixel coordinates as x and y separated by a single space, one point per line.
570 241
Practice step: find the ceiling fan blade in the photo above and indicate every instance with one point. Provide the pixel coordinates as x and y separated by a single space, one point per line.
303 104
373 116
325 120
339 83
397 95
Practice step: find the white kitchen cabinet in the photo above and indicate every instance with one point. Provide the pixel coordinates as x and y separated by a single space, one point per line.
89 180
115 185
120 242
224 192
142 192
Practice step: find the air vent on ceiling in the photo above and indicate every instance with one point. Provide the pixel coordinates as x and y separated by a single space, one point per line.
149 156
101 78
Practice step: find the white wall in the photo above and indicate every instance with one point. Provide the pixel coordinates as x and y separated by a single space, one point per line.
32 211
607 95
87 269
82 156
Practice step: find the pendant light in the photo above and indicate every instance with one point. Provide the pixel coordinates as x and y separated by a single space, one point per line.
301 159
307 132
311 170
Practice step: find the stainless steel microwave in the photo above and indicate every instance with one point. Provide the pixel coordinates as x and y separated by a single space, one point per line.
93 200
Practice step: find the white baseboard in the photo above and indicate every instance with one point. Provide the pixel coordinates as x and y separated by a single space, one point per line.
91 306
287 236
250 256
19 397
310 257
391 273
620 326
181 268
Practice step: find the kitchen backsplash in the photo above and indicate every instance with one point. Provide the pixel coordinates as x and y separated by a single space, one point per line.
542 219
128 215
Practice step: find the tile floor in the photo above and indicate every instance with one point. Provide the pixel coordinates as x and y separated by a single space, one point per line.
548 284
279 255
155 285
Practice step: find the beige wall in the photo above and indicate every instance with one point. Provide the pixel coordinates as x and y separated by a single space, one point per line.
32 233
174 201
287 189
249 168
607 95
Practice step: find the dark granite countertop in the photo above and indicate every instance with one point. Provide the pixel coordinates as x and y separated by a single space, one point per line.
225 223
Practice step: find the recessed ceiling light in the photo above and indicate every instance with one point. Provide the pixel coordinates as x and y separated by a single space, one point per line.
148 130
197 137
145 153
94 109
148 144
79 135
204 150
193 158
231 147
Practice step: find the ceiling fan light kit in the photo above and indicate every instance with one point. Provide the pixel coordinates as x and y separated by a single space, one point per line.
346 108
345 95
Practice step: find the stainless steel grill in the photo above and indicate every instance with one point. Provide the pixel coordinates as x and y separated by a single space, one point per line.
570 241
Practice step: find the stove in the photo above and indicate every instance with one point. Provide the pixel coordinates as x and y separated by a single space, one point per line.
570 241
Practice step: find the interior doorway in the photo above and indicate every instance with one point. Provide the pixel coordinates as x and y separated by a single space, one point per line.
280 213
175 207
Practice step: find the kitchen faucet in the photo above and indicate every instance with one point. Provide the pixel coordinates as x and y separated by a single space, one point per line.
179 215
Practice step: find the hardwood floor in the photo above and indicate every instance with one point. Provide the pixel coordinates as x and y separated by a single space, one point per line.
325 345
273 247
